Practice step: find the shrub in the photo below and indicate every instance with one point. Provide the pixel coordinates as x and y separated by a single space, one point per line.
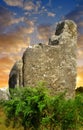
35 109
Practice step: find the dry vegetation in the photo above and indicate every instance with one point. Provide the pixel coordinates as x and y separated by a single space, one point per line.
2 122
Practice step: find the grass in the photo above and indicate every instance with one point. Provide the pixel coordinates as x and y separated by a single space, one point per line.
4 127
2 122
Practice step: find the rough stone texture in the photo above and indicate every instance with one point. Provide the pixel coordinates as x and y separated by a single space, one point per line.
15 77
4 94
54 63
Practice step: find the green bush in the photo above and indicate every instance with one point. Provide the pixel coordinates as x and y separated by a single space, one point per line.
35 109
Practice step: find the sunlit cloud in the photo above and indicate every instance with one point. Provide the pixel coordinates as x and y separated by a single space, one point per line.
14 2
50 14
11 42
5 66
44 32
80 76
16 20
31 6
80 53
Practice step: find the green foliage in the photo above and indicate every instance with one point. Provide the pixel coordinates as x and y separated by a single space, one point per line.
79 109
35 109
26 107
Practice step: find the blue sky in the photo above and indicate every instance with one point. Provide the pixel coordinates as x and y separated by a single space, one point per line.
27 22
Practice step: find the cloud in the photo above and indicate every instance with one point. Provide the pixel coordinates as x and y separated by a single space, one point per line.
5 17
29 26
16 20
25 30
11 49
80 50
80 53
12 46
80 76
5 66
8 19
14 2
77 16
80 41
50 14
80 24
31 6
44 32
11 43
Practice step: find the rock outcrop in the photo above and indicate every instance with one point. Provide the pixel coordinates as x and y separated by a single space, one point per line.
54 63
15 77
4 94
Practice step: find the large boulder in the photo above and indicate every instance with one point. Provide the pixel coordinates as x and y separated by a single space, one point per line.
54 63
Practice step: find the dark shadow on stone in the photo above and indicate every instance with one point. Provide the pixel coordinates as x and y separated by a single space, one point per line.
55 42
41 45
59 28
12 81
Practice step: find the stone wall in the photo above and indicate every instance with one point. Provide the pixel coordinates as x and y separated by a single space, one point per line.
54 63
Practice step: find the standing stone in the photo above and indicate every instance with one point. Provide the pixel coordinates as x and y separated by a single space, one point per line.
54 63
15 77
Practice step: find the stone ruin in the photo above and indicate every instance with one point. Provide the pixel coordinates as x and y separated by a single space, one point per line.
54 63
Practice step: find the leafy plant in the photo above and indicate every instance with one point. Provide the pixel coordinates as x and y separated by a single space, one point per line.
36 109
26 107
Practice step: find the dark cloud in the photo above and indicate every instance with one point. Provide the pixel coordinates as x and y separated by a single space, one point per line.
5 17
77 16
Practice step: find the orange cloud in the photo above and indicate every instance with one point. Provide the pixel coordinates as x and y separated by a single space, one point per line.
12 46
80 76
11 43
5 66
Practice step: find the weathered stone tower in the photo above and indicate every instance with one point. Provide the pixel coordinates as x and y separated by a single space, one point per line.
54 63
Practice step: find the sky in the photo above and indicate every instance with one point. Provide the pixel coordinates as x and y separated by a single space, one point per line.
29 22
